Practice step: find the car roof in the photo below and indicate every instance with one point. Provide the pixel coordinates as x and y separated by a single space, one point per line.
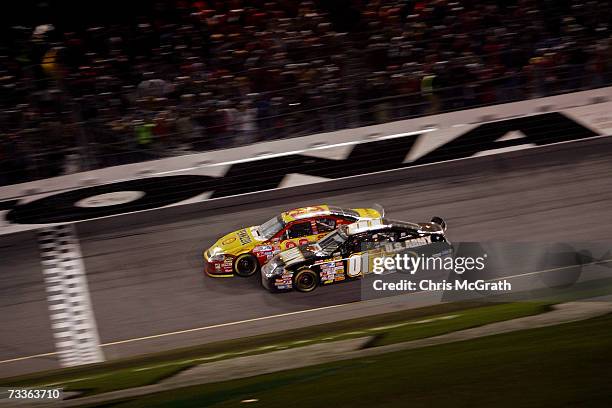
316 211
379 224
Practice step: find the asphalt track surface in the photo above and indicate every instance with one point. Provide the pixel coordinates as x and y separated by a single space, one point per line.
147 280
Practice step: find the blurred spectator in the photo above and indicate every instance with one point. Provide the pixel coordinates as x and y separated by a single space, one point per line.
246 125
207 74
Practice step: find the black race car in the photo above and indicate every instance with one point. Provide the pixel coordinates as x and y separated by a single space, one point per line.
346 253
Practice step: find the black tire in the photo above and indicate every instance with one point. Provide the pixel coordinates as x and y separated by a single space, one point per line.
305 280
246 265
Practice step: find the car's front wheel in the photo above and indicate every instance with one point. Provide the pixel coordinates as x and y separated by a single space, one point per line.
305 280
246 265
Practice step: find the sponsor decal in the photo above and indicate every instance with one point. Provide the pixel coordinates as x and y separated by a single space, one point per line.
228 241
301 212
263 248
292 256
327 268
283 282
411 243
332 271
243 236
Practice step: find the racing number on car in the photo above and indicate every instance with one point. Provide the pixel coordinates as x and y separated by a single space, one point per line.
290 244
358 264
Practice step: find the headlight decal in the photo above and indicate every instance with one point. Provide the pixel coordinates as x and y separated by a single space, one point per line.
272 268
217 258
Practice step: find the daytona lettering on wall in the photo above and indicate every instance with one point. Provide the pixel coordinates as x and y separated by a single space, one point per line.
268 173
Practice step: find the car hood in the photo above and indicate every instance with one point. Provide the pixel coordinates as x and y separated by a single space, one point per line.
298 254
236 242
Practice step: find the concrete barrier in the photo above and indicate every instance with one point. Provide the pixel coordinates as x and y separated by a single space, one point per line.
531 158
215 163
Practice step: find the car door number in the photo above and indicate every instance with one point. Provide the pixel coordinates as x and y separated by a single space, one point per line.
358 264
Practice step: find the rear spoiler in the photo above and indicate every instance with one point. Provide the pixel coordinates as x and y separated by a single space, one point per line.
440 222
379 208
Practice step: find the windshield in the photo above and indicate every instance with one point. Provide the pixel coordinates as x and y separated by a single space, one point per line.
269 228
333 240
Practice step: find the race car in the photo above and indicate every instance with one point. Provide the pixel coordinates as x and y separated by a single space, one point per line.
346 253
244 251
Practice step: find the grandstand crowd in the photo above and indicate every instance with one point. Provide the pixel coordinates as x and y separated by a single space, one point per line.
195 75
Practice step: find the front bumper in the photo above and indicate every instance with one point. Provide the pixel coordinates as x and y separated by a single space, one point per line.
268 283
210 270
277 283
219 269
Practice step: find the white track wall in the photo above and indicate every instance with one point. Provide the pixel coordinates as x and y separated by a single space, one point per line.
588 107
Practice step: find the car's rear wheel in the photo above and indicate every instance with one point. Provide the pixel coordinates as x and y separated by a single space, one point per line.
246 265
305 280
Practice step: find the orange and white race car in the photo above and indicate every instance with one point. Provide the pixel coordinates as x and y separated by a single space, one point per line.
243 252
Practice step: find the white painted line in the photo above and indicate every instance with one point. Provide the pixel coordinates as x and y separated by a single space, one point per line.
214 357
282 315
602 261
355 333
12 360
394 326
173 363
407 134
256 319
302 342
325 146
266 347
73 380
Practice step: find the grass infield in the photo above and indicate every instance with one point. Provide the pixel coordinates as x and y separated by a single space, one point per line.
560 366
387 328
